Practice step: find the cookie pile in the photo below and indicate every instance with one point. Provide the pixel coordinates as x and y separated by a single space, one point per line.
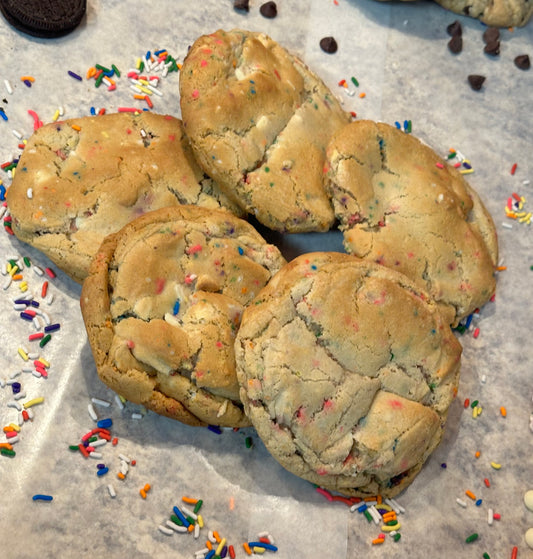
345 364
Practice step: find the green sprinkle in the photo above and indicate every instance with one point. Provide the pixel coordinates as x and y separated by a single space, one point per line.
451 155
74 447
176 520
7 452
486 555
45 340
27 262
248 441
397 536
190 519
355 82
267 169
141 66
368 516
99 79
103 68
198 506
391 523
472 538
116 70
474 404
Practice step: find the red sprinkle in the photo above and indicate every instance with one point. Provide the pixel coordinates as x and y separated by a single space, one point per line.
476 333
44 289
50 273
514 554
467 402
83 450
231 552
36 336
114 442
513 168
487 482
496 516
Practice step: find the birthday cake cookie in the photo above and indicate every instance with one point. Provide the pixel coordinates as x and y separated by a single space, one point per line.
259 121
82 179
401 205
347 370
162 304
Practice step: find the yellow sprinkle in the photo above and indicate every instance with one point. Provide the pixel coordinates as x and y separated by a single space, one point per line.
44 362
466 171
220 546
386 528
138 63
527 217
495 465
479 410
56 115
503 411
144 89
200 521
258 550
13 270
474 412
23 354
14 427
33 402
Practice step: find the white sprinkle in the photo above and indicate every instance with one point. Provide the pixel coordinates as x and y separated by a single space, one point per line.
9 89
174 527
27 369
461 503
17 134
30 413
36 323
136 416
33 355
506 225
61 111
49 299
222 410
14 375
526 182
189 512
7 282
374 514
165 530
490 517
2 383
196 531
99 402
124 458
201 553
20 395
99 442
29 193
36 373
39 271
124 468
14 440
20 419
20 307
92 413
155 90
211 537
483 379
112 491
96 455
118 402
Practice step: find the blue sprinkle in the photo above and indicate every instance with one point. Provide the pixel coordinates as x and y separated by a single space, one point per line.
52 327
469 320
40 497
398 125
93 111
181 516
26 316
264 545
105 423
362 508
3 114
478 502
215 428
102 471
2 192
241 250
210 554
444 465
176 308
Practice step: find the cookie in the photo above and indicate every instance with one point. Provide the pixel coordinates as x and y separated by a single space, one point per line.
498 13
162 303
81 179
43 18
259 120
347 370
399 204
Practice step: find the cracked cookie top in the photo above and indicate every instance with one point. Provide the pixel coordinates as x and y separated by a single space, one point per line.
401 205
259 121
81 179
162 304
347 370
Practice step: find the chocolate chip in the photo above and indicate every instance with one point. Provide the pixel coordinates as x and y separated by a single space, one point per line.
522 61
242 5
493 48
454 29
491 34
476 82
455 44
269 9
328 44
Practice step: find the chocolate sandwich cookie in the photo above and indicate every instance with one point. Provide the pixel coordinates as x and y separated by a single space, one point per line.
259 121
401 205
347 370
162 304
44 18
82 179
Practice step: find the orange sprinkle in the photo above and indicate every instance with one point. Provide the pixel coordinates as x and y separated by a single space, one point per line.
369 499
142 493
247 548
209 545
6 445
147 487
469 493
503 411
75 127
120 475
190 528
27 78
501 268
361 96
379 499
216 536
389 516
189 500
378 541
17 277
231 503
478 454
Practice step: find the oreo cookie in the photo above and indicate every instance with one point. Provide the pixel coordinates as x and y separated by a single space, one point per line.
44 18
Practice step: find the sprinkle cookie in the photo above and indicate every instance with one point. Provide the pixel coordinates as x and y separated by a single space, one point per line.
347 370
81 179
401 205
259 121
162 303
